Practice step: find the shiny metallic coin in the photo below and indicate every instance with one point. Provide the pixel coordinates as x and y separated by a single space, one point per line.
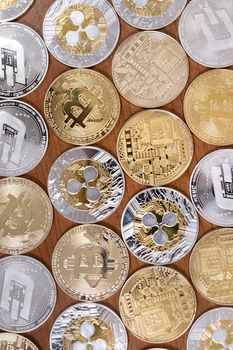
150 69
28 294
157 304
84 326
10 341
211 187
149 14
23 138
86 184
206 32
82 106
81 33
212 330
24 61
12 9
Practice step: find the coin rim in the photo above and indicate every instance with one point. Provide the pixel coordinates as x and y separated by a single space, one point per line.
19 15
22 337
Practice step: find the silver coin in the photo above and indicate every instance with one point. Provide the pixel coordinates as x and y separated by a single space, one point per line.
146 15
206 32
88 325
81 33
211 187
28 294
212 330
12 9
23 138
159 225
86 184
24 60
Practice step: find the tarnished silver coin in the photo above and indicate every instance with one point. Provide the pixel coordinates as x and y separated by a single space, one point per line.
159 225
211 187
81 33
24 60
28 294
23 138
212 330
149 14
12 9
86 184
206 32
84 326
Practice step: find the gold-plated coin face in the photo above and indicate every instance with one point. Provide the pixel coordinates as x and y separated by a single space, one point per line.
90 262
152 7
155 147
208 107
10 341
211 266
6 4
157 304
150 69
82 106
26 215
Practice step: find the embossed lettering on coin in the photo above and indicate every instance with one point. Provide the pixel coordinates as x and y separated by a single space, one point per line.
12 9
9 341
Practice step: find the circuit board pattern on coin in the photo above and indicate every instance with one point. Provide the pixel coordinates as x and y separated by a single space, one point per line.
9 341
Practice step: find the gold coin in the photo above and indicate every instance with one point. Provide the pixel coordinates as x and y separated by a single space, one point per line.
26 215
10 341
82 106
208 107
90 262
157 304
211 266
155 147
150 69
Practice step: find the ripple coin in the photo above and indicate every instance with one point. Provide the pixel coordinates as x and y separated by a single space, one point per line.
12 9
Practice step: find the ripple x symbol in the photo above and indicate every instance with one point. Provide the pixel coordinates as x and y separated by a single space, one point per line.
87 330
220 337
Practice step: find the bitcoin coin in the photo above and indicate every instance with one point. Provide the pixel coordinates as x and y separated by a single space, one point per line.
23 138
150 69
28 294
155 147
87 325
157 304
82 106
81 33
26 215
208 107
149 14
211 187
12 9
206 32
159 225
9 341
24 60
86 184
212 330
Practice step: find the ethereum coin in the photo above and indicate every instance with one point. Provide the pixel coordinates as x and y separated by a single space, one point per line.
10 341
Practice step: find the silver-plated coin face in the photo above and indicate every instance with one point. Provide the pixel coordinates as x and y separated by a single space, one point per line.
149 14
88 325
206 32
86 184
24 60
211 187
23 138
28 294
212 330
159 225
12 9
81 33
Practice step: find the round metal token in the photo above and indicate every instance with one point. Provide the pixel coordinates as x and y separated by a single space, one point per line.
12 9
12 341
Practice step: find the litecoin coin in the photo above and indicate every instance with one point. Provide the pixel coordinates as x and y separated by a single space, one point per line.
206 32
86 184
24 61
208 107
159 225
211 187
149 14
82 106
90 262
12 9
28 294
26 215
23 138
150 69
9 341
157 304
84 326
155 147
213 330
81 33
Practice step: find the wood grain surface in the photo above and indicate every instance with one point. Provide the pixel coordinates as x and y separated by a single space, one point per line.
34 18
